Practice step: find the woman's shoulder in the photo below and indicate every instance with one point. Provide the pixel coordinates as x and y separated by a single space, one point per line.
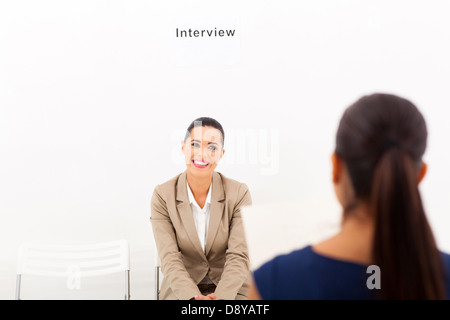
282 269
293 255
171 181
229 183
235 191
167 186
305 274
281 262
446 257
307 260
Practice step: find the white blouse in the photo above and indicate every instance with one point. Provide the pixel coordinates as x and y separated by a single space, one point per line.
201 215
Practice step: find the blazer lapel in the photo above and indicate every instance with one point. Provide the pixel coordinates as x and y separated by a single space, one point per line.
185 212
216 210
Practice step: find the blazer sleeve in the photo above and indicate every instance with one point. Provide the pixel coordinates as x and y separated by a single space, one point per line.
237 264
172 265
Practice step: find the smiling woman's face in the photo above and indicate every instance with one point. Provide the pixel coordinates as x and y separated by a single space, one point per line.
203 150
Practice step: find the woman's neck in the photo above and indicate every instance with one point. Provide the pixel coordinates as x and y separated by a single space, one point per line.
199 186
354 241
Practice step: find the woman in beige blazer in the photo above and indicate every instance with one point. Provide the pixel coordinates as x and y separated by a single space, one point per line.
197 223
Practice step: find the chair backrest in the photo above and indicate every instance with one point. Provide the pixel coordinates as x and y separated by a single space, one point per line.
277 228
59 260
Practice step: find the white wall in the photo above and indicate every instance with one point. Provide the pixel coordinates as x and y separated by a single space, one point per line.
93 105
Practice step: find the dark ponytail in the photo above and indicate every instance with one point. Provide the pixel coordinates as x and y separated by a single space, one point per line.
404 246
382 139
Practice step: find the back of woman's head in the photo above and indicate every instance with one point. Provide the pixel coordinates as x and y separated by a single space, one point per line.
381 139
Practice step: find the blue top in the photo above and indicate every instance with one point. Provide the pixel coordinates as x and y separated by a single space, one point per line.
306 275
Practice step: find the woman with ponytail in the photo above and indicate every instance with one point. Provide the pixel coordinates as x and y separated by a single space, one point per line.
377 167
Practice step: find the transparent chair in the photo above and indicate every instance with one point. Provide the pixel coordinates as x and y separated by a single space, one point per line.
79 261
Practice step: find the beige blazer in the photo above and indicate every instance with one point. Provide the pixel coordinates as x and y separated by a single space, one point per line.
183 262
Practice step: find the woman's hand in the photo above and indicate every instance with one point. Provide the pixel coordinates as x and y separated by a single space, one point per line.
211 296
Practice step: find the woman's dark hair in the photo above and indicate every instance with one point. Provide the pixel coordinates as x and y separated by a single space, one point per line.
381 138
205 122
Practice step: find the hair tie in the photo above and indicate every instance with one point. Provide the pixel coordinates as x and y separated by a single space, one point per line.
388 144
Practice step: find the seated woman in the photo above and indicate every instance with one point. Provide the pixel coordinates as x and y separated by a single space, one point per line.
384 236
197 223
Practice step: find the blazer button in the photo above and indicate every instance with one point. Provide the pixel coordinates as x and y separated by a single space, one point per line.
204 264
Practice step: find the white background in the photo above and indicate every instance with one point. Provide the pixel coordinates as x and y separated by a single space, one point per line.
93 109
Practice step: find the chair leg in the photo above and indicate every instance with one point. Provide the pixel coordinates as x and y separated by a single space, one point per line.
127 285
157 283
18 280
